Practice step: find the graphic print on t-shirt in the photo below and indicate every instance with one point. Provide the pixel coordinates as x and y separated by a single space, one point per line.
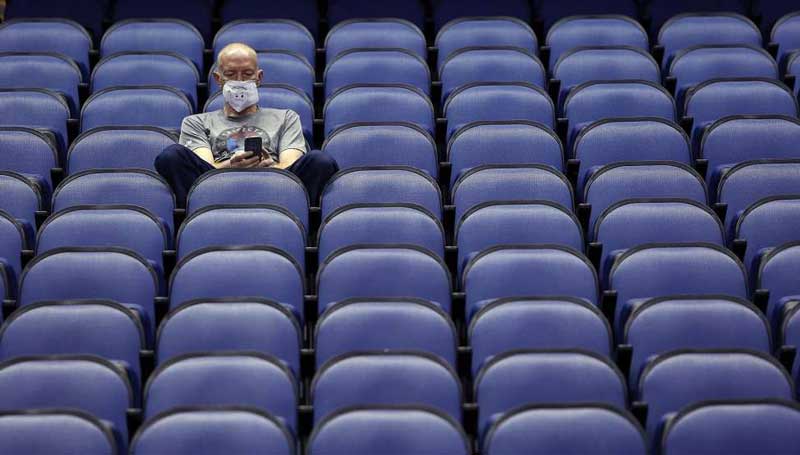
231 141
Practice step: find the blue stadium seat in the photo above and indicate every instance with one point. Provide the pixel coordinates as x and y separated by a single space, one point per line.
578 428
515 223
520 378
46 70
388 430
381 184
268 34
701 22
53 431
470 65
789 332
498 101
12 242
507 183
549 12
376 224
383 144
762 426
230 325
48 35
518 271
214 430
793 69
225 379
159 106
197 12
484 31
250 187
375 33
303 11
447 10
117 147
384 271
378 102
778 275
614 140
515 323
89 13
341 10
83 383
36 108
155 35
380 324
30 152
21 200
765 225
503 142
376 66
280 67
786 35
595 30
258 271
382 378
131 69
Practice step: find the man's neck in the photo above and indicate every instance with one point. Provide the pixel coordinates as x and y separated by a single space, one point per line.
230 112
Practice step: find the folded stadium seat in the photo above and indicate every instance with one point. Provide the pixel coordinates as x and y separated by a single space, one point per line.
22 199
527 270
793 70
230 325
67 430
490 101
93 327
372 33
666 324
30 152
669 269
695 65
778 275
197 12
613 140
117 147
59 35
382 185
383 324
633 222
206 431
639 179
381 103
81 383
385 271
549 13
515 323
46 70
280 67
595 30
503 142
484 31
602 63
268 34
510 182
577 428
751 181
342 10
36 108
761 426
537 377
789 333
394 430
242 225
765 225
303 11
595 101
159 106
470 65
385 378
679 379
155 35
363 66
12 243
376 224
515 223
251 187
262 272
447 10
131 69
786 36
89 13
277 96
223 379
142 188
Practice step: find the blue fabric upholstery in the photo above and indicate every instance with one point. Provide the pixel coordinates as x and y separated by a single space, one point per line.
371 33
603 30
12 242
470 65
377 66
765 225
280 67
712 22
160 106
119 147
785 33
29 152
46 70
378 102
36 108
155 35
777 274
484 31
48 35
53 431
268 34
21 200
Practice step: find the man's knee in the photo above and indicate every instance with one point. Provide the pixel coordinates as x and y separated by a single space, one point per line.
322 163
171 156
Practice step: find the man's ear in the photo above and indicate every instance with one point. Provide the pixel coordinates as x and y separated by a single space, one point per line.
217 78
259 77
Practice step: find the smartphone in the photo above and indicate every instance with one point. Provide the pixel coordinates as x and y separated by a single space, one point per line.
255 145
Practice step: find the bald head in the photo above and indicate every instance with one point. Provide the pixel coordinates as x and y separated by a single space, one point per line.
237 62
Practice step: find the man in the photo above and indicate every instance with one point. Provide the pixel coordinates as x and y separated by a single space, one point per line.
216 140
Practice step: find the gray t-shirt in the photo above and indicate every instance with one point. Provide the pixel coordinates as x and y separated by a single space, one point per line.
279 130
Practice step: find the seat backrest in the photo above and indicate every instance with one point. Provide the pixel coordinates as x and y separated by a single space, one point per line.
46 70
384 271
516 323
578 428
155 35
593 30
160 106
48 35
118 147
50 431
89 13
484 31
36 108
378 102
268 34
375 33
206 431
281 67
549 13
777 273
304 11
383 324
30 152
447 10
785 33
789 333
498 101
12 242
197 12
341 10
713 27
766 225
386 379
751 181
21 199
376 66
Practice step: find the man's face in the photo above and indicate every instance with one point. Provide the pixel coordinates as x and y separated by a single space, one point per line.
238 66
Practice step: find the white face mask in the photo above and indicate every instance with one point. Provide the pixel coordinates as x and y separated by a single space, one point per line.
240 94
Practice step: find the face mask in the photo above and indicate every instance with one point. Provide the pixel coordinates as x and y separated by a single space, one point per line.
240 94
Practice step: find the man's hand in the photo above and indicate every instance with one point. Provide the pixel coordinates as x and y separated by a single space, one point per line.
243 160
266 162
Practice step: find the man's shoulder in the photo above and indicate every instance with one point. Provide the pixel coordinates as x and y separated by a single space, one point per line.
201 117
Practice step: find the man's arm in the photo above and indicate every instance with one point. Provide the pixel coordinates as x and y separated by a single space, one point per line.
194 136
292 144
